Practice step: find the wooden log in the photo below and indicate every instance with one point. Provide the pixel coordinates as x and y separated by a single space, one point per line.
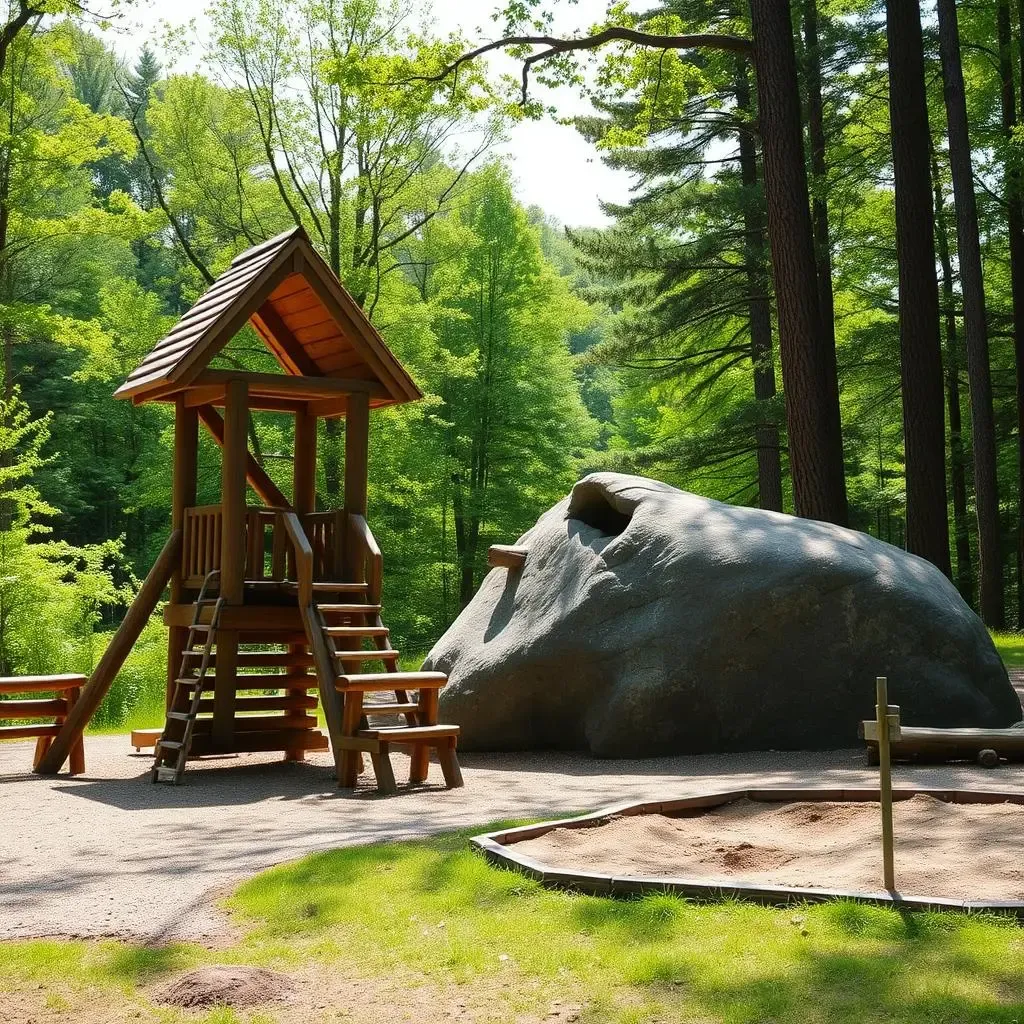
28 732
40 684
357 434
507 556
56 708
113 658
76 759
255 473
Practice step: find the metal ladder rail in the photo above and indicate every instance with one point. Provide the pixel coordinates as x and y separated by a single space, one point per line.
163 772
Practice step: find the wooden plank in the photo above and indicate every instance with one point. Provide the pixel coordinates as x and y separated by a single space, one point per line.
293 284
113 658
286 386
254 472
40 684
33 708
509 556
253 742
28 732
278 335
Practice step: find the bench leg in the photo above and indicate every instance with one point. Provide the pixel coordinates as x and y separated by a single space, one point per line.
351 760
383 771
420 763
450 766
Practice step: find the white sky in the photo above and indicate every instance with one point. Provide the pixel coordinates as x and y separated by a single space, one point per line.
555 168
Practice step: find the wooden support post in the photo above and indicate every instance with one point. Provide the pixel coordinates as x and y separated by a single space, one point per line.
885 780
232 572
357 437
304 502
183 496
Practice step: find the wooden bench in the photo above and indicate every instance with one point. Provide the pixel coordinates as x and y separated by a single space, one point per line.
58 708
422 731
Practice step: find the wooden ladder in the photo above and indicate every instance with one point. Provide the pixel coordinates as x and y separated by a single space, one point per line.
172 749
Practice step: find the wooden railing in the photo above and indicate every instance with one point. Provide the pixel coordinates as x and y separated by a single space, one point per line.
330 700
68 688
268 555
367 563
326 533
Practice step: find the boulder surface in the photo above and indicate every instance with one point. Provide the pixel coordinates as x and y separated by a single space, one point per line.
649 621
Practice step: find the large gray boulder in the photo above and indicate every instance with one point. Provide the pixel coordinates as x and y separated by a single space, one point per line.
649 621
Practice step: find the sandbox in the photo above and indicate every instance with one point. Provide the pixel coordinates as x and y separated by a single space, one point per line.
955 849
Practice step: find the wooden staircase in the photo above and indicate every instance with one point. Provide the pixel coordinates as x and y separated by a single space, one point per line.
381 709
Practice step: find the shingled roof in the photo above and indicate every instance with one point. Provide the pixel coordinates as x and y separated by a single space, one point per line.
311 325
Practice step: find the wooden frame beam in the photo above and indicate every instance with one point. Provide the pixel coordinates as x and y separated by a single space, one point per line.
287 386
254 472
267 322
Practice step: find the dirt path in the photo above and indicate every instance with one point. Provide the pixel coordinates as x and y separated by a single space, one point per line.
110 854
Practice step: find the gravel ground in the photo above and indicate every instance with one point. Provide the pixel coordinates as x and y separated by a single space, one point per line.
108 853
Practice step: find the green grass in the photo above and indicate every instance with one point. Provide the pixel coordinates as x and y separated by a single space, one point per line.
508 948
1011 648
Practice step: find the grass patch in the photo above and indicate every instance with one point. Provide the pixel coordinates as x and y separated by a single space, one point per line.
493 940
1011 648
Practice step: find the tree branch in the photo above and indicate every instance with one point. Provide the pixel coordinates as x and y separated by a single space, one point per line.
556 45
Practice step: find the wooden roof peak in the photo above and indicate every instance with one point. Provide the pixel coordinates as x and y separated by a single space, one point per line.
291 297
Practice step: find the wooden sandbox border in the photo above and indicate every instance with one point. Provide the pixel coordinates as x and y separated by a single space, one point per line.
498 848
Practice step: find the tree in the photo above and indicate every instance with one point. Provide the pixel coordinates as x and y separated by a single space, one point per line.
808 357
986 489
920 349
808 365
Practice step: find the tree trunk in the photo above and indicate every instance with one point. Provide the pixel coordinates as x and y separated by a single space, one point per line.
769 461
957 473
979 374
1015 231
808 360
819 170
920 347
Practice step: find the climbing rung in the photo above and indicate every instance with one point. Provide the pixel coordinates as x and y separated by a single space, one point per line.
169 745
181 716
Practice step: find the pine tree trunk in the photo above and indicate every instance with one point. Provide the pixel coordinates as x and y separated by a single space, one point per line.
979 374
957 471
920 347
769 461
1015 230
819 169
808 360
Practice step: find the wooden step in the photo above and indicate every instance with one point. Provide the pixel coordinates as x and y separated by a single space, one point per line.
170 745
370 682
389 655
357 631
349 609
181 716
412 734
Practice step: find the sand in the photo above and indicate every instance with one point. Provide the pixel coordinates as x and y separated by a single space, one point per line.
957 851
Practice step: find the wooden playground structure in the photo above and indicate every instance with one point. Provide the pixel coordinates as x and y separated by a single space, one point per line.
275 608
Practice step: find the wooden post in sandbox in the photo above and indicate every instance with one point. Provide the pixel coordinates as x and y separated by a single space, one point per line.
882 718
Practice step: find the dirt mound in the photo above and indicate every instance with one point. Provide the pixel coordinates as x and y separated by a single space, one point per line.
224 986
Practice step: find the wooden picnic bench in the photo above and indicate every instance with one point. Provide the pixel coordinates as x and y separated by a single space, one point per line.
68 688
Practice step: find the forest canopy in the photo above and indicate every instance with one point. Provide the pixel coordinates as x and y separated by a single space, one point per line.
670 341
